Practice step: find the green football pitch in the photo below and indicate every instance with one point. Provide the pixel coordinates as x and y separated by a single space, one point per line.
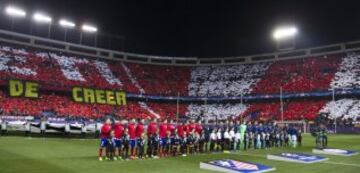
57 155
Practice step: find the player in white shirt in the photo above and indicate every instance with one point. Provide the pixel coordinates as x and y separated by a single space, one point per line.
83 130
4 127
98 126
258 139
232 138
218 140
227 139
213 139
67 129
27 126
43 126
0 125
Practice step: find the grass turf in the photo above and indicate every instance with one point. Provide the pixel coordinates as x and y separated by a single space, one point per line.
57 155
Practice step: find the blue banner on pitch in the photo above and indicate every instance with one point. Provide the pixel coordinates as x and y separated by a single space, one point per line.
234 166
296 157
334 151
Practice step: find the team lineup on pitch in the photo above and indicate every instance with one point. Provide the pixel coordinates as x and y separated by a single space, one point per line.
77 155
127 139
165 139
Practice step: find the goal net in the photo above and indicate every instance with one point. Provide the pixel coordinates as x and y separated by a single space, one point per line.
302 125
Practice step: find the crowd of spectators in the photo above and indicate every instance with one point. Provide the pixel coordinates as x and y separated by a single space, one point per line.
62 71
343 109
302 109
225 80
161 80
348 75
215 111
263 111
58 71
63 106
299 75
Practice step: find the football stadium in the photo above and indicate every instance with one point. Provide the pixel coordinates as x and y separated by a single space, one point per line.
142 87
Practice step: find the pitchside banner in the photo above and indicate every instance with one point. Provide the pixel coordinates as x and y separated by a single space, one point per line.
334 151
234 166
28 89
296 157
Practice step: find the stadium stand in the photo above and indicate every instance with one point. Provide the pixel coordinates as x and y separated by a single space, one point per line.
59 72
263 111
300 75
343 108
215 111
225 80
348 74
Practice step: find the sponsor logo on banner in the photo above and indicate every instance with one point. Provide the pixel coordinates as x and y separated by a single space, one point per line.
334 151
236 165
302 157
228 165
296 157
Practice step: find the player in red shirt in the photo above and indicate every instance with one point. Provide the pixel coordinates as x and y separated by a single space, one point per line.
139 129
118 133
186 128
151 133
171 128
192 126
163 135
171 132
198 133
180 129
132 134
198 128
152 128
104 138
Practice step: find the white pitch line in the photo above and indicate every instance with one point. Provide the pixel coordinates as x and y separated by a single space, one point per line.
340 163
253 155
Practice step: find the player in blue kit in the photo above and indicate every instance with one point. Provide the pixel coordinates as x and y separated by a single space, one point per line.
141 146
125 142
175 143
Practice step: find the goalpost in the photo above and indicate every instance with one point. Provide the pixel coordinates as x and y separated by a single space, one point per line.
303 125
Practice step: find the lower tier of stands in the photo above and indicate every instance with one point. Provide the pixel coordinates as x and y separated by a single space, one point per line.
64 106
292 110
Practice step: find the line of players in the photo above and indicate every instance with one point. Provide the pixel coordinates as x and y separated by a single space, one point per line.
129 139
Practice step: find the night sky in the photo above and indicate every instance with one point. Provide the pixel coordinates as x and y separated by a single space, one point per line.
209 28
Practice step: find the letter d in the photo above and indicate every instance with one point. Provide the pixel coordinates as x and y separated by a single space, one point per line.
16 88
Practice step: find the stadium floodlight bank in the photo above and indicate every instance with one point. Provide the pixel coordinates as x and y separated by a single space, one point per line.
15 11
89 28
66 23
42 18
336 152
285 32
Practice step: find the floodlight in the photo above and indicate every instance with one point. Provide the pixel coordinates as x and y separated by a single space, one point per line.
66 23
89 28
285 32
39 17
15 12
